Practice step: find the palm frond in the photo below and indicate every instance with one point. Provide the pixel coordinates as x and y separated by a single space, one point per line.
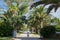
50 8
36 4
56 7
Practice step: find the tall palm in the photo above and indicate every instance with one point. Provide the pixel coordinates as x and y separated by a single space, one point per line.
41 14
16 13
38 17
34 22
54 4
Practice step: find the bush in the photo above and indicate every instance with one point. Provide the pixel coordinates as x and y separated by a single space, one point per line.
6 30
47 31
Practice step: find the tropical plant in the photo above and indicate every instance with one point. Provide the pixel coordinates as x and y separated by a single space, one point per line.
6 29
38 17
16 15
41 12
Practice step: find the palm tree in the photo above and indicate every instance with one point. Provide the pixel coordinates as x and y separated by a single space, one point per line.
34 22
16 12
54 4
15 15
38 17
41 14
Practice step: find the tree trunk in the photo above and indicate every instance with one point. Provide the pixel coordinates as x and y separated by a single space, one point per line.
36 30
41 27
41 23
32 30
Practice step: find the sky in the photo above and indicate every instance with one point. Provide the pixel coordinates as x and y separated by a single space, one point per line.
5 7
36 0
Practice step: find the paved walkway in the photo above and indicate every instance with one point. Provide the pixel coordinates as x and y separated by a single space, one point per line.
25 37
28 39
30 35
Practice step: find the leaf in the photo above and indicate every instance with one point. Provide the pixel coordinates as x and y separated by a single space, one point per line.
36 4
50 8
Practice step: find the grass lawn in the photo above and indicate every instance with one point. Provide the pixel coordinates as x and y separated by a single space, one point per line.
5 38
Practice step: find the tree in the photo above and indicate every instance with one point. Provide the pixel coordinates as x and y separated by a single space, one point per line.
38 17
16 13
54 4
41 14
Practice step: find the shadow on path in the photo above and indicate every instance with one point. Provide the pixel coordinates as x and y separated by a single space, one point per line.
34 38
27 38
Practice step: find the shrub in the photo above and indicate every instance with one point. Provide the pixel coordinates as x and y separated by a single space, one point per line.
6 30
47 31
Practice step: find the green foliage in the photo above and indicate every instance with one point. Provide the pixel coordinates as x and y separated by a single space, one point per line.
12 19
48 31
15 16
58 28
38 15
6 29
5 38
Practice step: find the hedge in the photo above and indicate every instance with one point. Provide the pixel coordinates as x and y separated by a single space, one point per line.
48 31
6 29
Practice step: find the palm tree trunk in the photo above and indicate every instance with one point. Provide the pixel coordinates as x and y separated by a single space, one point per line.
41 27
41 23
36 30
